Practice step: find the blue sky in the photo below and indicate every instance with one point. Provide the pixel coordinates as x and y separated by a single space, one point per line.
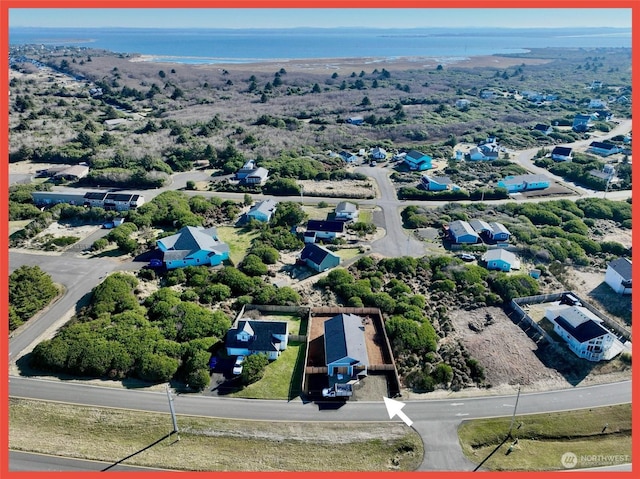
282 18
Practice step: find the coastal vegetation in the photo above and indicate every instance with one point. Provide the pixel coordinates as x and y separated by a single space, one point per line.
287 122
30 290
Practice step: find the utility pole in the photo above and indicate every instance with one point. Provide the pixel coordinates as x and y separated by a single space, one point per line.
173 414
514 412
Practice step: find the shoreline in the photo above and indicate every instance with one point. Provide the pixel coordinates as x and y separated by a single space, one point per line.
323 65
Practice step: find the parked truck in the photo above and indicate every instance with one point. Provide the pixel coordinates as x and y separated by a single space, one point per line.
337 390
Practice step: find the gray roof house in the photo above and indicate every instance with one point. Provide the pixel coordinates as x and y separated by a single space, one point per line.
263 210
462 232
345 347
618 275
193 246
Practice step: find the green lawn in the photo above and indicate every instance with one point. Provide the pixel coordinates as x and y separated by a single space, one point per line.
282 378
347 254
543 439
365 215
239 241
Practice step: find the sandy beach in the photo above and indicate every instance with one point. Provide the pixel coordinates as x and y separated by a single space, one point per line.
323 65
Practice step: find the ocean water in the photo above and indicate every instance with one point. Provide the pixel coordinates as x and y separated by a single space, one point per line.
251 45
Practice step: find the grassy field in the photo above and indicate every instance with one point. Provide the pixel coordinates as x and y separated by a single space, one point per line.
543 439
239 241
17 225
282 378
210 444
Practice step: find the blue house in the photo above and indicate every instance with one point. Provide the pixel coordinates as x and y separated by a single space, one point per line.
461 232
418 161
193 246
345 348
479 226
544 129
499 232
263 210
254 337
437 183
582 123
347 156
514 184
319 258
501 260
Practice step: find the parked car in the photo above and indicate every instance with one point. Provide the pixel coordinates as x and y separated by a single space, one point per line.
373 163
155 263
237 366
213 362
466 257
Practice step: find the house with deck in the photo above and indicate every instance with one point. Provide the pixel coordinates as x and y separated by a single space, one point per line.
345 348
417 161
318 257
345 210
324 230
255 337
583 332
618 275
193 246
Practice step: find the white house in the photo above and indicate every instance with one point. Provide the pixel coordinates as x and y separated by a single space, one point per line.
254 337
346 210
378 153
583 332
618 275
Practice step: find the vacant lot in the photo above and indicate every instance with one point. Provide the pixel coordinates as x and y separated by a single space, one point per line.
210 444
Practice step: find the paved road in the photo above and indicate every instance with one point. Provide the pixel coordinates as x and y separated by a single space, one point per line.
441 416
26 461
77 275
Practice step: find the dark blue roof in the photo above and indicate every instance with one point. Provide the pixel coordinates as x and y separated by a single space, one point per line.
315 253
262 339
584 331
325 225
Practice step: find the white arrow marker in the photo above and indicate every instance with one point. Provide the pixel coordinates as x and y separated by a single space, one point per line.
457 404
394 408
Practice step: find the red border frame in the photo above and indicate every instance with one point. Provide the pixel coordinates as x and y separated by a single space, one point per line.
5 5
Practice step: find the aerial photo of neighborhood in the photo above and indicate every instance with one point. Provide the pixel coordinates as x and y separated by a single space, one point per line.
289 249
